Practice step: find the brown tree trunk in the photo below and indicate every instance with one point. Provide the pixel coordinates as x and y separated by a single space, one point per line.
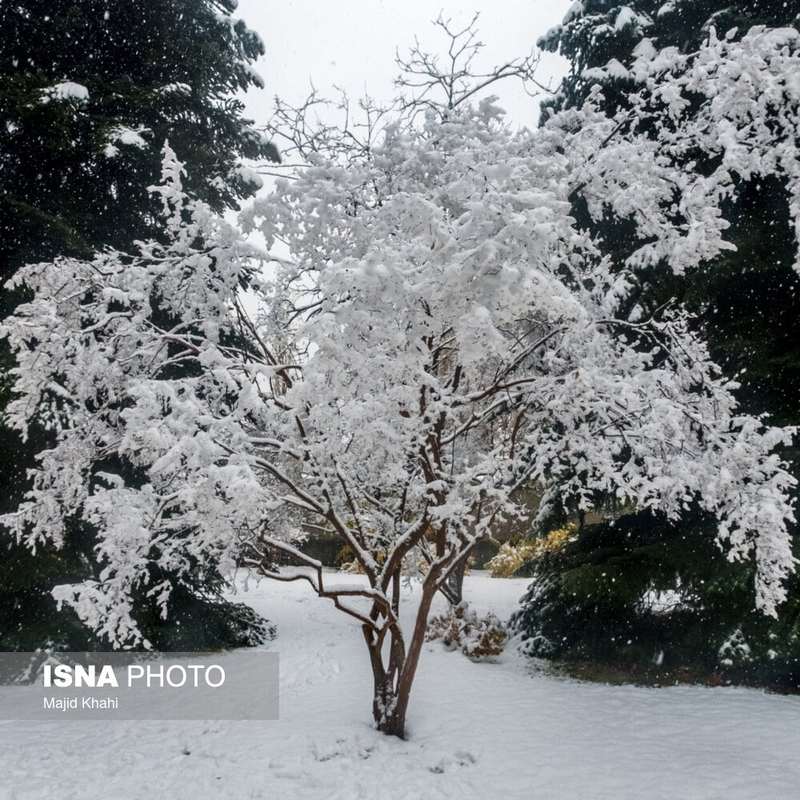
392 686
387 711
453 587
393 724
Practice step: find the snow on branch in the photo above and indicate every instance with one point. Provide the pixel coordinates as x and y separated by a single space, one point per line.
442 335
735 105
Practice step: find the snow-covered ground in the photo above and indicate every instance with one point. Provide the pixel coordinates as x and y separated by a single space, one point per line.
499 730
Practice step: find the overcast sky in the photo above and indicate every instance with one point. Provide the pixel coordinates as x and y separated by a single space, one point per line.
352 43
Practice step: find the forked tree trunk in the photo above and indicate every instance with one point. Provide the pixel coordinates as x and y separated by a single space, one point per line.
392 683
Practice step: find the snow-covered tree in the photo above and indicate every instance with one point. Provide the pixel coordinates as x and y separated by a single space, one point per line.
438 333
89 91
747 303
603 38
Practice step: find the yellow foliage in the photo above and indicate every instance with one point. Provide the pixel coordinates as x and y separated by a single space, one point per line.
347 562
511 557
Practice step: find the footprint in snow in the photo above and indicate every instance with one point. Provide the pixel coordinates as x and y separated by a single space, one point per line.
461 758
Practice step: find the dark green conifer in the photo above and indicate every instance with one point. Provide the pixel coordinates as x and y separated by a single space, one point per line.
89 92
747 304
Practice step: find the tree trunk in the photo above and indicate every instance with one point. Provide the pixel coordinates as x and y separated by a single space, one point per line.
392 685
453 587
393 724
388 709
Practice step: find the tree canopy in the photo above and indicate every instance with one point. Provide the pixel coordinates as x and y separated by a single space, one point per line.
442 332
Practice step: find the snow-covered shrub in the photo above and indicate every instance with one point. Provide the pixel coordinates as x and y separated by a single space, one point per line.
735 650
461 628
510 557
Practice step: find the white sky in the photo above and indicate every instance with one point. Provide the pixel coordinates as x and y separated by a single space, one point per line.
352 43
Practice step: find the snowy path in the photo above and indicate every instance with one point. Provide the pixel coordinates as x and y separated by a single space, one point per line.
477 731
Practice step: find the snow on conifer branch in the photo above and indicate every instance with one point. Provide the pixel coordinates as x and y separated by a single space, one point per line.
734 105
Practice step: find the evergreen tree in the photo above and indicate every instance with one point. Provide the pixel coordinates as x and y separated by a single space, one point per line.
747 303
608 35
89 92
